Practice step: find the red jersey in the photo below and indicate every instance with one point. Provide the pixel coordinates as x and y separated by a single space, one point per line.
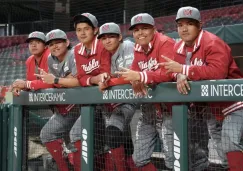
32 68
91 64
211 59
147 63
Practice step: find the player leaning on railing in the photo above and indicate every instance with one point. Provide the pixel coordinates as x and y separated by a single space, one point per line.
119 115
92 60
203 56
62 73
38 60
150 46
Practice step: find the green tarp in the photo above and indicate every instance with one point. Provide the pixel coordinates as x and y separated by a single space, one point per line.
231 34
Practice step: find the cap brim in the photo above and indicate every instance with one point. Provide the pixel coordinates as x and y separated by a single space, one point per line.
100 35
29 39
47 42
187 18
132 27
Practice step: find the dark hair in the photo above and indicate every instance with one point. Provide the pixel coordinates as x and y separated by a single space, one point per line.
195 22
83 21
70 46
114 34
35 38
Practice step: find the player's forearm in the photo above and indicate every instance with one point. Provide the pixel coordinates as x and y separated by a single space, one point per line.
37 84
94 80
68 82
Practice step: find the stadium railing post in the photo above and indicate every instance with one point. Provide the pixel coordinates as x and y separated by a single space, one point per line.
15 138
180 135
87 138
4 134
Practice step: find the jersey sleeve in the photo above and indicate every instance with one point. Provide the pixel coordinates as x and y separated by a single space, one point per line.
117 81
105 62
216 64
37 84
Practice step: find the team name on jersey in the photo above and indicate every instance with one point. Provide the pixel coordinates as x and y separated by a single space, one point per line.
197 62
91 66
152 64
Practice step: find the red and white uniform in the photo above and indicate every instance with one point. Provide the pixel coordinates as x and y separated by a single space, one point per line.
211 60
147 131
32 68
147 63
92 64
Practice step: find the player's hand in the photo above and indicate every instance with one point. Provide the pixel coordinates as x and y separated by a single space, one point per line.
182 84
19 84
102 86
171 66
46 77
104 77
128 75
139 88
16 91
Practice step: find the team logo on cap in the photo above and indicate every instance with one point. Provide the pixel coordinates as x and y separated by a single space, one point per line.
138 19
187 12
86 14
34 34
105 28
52 35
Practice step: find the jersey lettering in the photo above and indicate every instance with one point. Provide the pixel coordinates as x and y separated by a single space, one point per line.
197 62
152 64
93 65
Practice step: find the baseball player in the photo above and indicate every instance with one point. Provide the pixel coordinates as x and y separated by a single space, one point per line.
120 115
62 73
38 59
209 58
93 64
93 61
150 46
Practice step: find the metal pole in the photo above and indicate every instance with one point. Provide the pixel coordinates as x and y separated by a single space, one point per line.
180 150
87 138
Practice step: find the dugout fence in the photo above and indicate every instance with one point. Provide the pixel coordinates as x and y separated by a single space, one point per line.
22 119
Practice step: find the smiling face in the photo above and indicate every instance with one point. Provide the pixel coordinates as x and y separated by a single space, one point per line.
111 42
85 33
143 34
36 47
59 48
188 30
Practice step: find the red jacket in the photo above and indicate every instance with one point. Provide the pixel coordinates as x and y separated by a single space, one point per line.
147 63
98 61
211 60
31 69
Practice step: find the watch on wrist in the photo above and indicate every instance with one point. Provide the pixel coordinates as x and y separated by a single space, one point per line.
56 80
